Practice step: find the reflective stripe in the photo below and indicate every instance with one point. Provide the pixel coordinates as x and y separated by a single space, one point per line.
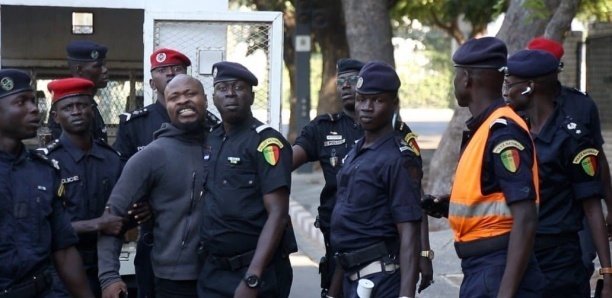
495 208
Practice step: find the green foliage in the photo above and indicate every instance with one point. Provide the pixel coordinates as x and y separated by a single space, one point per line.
595 10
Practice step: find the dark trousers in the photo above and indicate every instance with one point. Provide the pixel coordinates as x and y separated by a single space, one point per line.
331 261
386 284
564 271
589 252
482 277
145 279
217 282
165 288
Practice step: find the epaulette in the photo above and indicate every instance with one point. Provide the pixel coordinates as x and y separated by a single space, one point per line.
125 117
50 161
327 117
53 145
498 123
107 146
573 128
212 119
262 127
574 90
408 142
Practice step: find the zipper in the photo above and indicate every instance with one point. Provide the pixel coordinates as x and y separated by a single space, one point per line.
191 203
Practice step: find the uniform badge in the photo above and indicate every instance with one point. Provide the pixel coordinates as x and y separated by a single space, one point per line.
161 57
214 74
70 179
94 54
509 154
359 83
270 148
410 140
333 160
587 158
508 144
60 190
7 84
233 160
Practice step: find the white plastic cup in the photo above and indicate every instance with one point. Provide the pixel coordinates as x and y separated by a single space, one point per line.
364 288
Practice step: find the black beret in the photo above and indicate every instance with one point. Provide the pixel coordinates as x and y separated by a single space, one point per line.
485 52
377 77
531 64
85 50
231 71
348 65
14 81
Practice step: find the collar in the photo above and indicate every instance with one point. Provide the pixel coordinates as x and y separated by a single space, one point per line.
248 124
76 153
159 108
376 144
475 121
552 124
8 158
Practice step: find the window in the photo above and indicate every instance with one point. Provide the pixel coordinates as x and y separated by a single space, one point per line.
82 23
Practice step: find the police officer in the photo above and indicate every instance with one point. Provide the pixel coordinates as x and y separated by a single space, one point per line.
135 131
571 185
168 174
327 139
248 181
375 224
35 228
494 197
583 110
89 171
87 60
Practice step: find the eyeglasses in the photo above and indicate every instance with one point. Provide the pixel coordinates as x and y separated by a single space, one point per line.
350 79
510 85
170 68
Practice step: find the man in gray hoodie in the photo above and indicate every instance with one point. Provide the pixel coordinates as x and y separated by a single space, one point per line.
169 174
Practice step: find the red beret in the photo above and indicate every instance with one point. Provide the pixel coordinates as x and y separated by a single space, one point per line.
164 57
64 88
549 45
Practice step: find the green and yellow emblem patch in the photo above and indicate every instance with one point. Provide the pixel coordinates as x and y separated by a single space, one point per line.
587 159
270 148
509 154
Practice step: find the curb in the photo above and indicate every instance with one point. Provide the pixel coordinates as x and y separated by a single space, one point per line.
304 220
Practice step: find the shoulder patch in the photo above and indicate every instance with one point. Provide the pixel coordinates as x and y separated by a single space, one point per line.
587 158
508 144
125 117
270 148
410 139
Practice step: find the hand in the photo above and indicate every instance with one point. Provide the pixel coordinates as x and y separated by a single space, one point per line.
426 270
242 291
435 206
140 212
109 224
114 290
607 286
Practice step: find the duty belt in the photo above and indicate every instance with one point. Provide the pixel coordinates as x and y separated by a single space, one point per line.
354 259
374 267
233 263
482 246
31 287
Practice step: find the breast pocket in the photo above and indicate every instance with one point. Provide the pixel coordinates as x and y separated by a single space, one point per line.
32 212
239 185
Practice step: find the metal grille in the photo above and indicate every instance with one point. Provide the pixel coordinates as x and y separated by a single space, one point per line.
111 100
244 42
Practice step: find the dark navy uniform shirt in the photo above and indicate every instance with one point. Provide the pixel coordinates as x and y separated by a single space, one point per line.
504 134
327 139
582 109
378 187
241 168
32 221
137 127
88 179
98 127
567 161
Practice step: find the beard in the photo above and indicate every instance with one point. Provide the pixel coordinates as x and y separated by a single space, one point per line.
196 127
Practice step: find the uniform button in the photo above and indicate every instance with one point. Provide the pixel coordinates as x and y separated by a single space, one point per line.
224 181
250 182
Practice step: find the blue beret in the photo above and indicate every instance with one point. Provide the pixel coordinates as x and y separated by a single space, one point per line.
348 65
485 52
14 81
231 71
531 64
85 50
377 77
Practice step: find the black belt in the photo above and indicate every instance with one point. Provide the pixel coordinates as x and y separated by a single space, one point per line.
354 259
482 247
32 287
233 263
544 241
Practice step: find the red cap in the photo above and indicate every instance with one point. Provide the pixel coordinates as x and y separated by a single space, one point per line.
164 57
64 88
548 45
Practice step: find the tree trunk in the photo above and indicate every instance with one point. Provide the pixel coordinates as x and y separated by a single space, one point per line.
562 19
519 26
331 37
368 30
289 58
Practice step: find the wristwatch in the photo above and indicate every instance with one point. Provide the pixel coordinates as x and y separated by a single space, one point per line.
427 254
252 281
605 270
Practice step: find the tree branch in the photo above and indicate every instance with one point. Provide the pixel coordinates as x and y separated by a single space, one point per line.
561 20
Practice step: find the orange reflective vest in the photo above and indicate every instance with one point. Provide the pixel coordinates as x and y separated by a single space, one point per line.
473 215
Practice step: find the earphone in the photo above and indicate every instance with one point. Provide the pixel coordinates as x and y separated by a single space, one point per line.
527 91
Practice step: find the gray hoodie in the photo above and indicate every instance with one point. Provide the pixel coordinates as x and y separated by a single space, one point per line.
169 174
